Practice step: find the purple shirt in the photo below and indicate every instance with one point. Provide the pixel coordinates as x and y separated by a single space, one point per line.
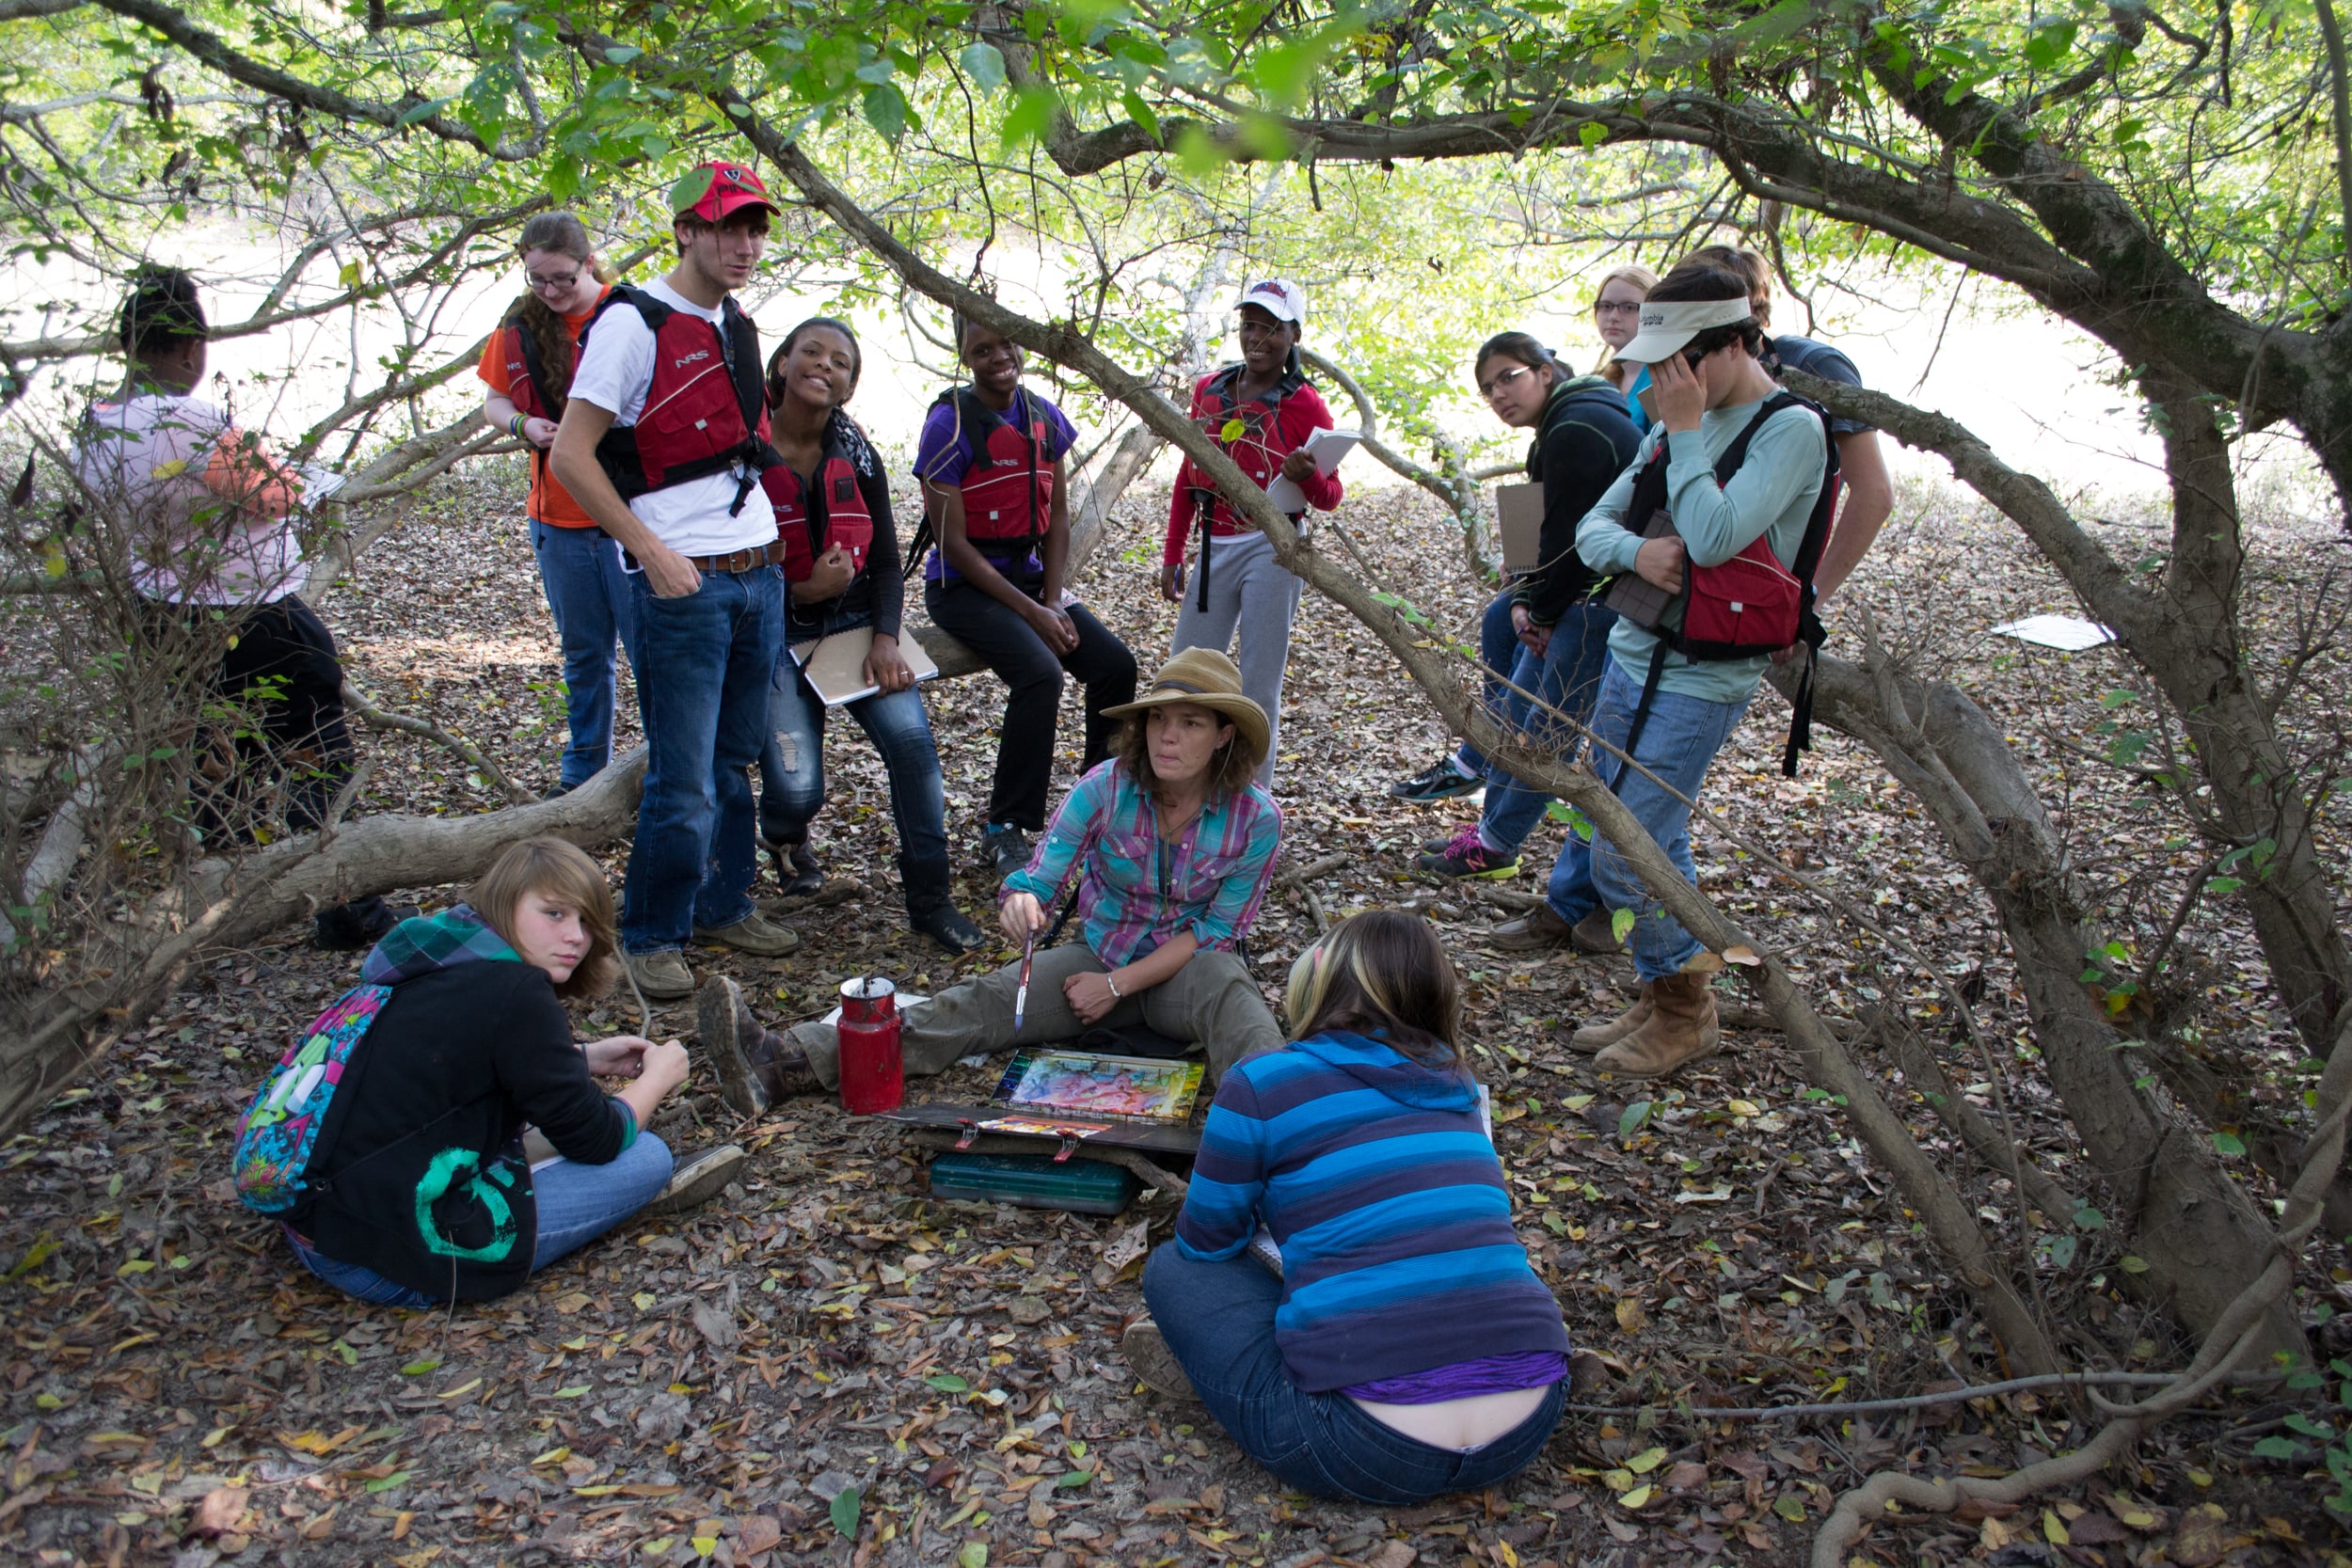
1460 1380
1137 890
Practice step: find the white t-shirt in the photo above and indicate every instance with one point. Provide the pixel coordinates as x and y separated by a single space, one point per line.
615 372
202 509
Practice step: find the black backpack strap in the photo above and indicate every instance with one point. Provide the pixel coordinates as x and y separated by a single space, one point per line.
739 339
1640 713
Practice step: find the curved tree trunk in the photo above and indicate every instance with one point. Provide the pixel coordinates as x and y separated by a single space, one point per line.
2185 638
2194 1227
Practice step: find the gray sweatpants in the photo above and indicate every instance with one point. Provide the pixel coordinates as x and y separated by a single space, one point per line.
1249 588
1211 1000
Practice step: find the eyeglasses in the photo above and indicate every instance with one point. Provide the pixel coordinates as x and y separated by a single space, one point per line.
1503 383
541 285
1616 306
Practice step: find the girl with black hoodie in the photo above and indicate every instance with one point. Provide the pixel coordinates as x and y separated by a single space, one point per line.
1583 440
419 1188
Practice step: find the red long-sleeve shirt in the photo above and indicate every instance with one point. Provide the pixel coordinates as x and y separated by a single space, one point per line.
1270 432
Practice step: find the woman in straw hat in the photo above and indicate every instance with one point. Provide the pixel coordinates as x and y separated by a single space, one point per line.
1406 1350
1171 845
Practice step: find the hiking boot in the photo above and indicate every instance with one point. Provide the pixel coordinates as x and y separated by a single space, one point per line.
1681 1029
755 934
361 923
662 976
698 1179
1442 779
1537 929
945 925
1596 934
755 1066
1600 1037
1467 858
1154 1365
796 871
1003 848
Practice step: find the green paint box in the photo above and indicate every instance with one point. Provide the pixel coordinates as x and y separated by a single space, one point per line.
1034 1182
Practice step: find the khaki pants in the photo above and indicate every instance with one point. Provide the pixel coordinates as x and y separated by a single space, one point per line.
1211 1001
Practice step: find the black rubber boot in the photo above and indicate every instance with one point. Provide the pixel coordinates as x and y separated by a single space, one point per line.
931 907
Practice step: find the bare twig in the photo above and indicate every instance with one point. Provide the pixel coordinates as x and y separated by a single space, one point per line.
466 750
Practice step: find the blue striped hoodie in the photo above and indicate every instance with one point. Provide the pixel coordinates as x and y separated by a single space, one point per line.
1388 1203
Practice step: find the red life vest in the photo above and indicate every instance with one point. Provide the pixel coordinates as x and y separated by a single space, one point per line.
705 412
1748 606
1009 494
805 535
530 385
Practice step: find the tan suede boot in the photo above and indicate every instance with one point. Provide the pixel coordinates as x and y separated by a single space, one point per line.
1600 1037
1681 1029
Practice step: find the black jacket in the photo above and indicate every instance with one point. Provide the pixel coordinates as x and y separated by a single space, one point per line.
419 1173
1585 441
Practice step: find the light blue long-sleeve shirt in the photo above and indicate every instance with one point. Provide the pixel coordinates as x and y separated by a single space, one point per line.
1771 493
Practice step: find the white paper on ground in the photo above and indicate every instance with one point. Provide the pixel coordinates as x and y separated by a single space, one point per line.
2068 633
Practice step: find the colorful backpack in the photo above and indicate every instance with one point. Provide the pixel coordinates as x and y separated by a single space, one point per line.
280 1128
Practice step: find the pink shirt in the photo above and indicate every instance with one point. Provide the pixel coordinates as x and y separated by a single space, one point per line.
202 509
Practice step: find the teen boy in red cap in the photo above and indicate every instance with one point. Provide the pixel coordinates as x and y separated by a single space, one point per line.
662 443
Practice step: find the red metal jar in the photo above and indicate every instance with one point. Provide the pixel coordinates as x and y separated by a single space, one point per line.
873 1071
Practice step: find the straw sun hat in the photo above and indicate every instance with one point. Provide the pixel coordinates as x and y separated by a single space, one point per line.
1206 677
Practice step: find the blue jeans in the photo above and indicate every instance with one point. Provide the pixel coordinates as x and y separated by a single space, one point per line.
1219 1318
588 593
709 657
576 1204
1498 649
792 772
1567 676
1678 742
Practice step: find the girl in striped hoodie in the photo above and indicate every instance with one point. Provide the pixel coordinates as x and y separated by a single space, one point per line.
1360 1147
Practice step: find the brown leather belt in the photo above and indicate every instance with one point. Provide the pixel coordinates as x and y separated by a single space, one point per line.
769 554
739 560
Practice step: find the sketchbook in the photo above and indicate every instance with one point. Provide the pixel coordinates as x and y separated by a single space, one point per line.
1520 514
1633 595
1326 447
1073 1097
835 665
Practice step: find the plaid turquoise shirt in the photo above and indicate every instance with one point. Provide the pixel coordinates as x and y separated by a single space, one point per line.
1137 890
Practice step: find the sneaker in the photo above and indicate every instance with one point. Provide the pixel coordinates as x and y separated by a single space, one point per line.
662 976
947 925
1442 779
698 1179
1467 857
361 923
1154 1365
797 870
755 934
1003 848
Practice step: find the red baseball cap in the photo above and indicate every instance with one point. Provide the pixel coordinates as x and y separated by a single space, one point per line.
711 191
